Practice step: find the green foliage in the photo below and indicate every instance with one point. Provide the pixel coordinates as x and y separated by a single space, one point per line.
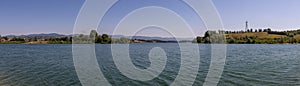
82 39
200 39
212 37
105 39
95 38
98 39
62 40
17 39
93 34
122 40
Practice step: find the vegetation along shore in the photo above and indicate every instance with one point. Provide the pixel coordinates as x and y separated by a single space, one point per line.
257 36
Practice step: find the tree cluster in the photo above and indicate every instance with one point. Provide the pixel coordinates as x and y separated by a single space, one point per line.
94 37
249 31
211 37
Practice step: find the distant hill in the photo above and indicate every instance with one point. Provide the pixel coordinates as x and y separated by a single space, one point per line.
42 35
262 37
153 38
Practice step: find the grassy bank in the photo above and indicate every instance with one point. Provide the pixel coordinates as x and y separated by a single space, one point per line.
287 37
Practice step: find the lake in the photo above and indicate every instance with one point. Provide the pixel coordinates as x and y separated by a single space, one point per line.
246 64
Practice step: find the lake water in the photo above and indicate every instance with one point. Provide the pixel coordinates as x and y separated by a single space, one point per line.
53 65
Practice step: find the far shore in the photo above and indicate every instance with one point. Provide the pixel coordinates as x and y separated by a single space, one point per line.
250 36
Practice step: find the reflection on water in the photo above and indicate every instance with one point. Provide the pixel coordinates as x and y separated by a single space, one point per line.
245 65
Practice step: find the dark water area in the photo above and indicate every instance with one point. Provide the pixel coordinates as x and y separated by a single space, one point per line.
52 65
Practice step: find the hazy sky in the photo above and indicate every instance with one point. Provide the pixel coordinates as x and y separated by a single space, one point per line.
58 16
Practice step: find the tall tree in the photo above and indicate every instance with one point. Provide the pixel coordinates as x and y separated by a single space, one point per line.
104 36
105 39
93 34
98 39
199 39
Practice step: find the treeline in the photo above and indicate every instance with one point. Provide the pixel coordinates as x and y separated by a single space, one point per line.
93 37
256 40
101 39
14 40
36 40
289 33
60 40
249 30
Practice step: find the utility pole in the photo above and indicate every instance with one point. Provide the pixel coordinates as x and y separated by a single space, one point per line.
246 28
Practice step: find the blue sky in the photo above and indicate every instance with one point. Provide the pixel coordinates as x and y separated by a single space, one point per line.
276 14
38 16
58 16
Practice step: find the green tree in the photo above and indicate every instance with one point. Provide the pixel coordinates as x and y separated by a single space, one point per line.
231 40
93 34
6 38
104 36
250 41
35 38
207 34
17 39
199 39
98 39
207 40
105 39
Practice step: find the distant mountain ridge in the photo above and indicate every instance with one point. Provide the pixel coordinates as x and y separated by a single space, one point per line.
162 38
42 35
153 38
56 35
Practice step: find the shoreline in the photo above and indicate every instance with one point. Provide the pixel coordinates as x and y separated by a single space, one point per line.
147 43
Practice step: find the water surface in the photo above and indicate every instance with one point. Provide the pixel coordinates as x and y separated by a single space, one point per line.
52 64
